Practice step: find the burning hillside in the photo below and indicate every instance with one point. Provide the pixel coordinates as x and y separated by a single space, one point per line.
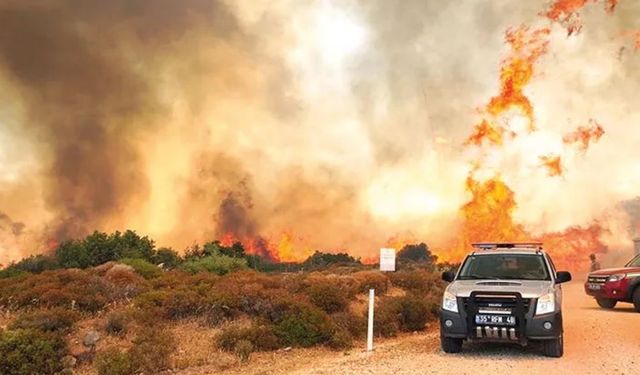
340 127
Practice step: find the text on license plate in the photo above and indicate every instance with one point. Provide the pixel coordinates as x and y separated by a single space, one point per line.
504 320
594 286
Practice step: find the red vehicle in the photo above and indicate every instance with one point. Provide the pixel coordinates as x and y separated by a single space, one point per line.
613 285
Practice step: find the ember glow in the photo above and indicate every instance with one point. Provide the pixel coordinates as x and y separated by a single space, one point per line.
331 125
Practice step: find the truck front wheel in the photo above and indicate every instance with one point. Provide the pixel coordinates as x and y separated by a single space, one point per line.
450 345
636 299
606 303
554 348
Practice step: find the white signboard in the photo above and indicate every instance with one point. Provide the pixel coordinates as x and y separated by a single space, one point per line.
387 259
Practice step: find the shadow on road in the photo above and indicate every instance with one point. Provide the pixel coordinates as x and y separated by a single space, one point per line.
614 310
507 351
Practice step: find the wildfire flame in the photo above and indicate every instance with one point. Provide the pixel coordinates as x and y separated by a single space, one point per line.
567 12
527 46
553 164
584 135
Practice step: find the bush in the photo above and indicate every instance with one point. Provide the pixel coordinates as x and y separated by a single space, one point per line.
37 264
142 267
356 326
152 349
327 295
303 325
243 350
219 264
408 313
414 313
340 339
114 362
117 324
54 320
418 281
372 280
261 337
419 253
28 352
59 288
169 258
321 260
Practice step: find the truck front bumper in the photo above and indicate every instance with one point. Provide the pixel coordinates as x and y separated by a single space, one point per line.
453 325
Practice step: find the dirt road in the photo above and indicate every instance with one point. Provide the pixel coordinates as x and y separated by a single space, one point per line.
596 342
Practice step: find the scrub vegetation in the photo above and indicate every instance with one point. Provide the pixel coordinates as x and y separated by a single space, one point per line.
139 300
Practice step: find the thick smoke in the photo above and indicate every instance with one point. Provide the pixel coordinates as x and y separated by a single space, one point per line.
340 123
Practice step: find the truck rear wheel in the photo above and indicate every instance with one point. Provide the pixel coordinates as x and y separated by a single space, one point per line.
450 345
554 348
606 303
636 299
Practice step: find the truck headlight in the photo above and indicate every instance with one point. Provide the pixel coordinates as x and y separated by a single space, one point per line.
546 304
617 277
449 302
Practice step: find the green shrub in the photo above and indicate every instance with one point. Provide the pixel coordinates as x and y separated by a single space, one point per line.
218 264
300 324
340 339
117 324
327 296
152 349
355 325
387 318
29 352
114 362
37 263
414 313
419 253
142 267
323 260
261 337
59 288
168 257
418 281
243 350
372 280
11 272
54 320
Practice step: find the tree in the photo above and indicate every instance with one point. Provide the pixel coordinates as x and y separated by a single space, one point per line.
419 253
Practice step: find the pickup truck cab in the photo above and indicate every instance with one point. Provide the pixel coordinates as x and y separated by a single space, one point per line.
505 292
613 285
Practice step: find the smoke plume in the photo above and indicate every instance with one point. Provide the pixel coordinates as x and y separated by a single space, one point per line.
298 126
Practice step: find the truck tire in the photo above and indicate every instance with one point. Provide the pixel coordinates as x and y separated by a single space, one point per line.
636 299
606 303
450 345
554 348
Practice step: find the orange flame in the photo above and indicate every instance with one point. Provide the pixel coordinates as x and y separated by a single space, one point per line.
553 165
584 135
517 69
567 12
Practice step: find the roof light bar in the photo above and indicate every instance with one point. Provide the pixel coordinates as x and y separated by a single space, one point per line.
506 245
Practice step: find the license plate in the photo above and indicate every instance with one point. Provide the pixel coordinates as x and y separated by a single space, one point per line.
500 320
594 286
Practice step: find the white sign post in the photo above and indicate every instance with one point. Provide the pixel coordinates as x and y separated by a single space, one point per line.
370 325
387 260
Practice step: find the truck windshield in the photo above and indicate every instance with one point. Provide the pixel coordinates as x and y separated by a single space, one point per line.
635 262
505 267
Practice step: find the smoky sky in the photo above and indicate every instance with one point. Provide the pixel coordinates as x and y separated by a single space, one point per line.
190 119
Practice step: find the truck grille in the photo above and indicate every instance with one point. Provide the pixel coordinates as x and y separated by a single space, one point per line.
509 305
497 301
597 279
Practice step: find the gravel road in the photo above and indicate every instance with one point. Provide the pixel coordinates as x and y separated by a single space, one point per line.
596 342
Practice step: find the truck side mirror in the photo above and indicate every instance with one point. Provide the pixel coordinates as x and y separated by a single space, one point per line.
448 276
562 277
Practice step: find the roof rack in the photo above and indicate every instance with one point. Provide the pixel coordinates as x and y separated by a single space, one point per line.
507 245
